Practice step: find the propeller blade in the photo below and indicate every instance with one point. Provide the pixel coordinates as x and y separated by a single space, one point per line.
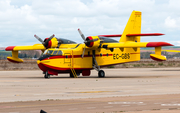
83 52
82 35
39 39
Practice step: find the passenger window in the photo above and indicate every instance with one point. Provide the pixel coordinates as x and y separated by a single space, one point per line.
60 52
55 52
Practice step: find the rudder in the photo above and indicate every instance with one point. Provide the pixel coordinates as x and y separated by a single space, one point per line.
133 26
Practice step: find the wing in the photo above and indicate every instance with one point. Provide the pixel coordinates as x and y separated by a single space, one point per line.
157 56
135 44
15 50
31 47
171 51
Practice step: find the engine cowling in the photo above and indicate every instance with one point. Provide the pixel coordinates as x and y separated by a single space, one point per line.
53 43
94 44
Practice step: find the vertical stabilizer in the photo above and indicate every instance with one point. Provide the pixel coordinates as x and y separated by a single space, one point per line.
133 26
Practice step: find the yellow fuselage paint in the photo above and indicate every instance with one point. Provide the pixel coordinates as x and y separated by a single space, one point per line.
71 57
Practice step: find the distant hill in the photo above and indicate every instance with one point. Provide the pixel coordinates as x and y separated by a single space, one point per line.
2 48
164 48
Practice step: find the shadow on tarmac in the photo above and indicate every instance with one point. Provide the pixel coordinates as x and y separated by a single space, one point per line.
90 77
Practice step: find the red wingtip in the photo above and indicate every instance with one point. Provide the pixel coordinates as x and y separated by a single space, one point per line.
10 48
157 44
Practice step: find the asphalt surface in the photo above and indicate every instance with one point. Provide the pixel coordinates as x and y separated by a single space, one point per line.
148 90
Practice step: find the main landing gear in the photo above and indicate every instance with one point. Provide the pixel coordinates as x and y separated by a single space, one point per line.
101 73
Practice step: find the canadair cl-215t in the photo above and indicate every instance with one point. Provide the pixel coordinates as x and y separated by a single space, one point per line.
65 56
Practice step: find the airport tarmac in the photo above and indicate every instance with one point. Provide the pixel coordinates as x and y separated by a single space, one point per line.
133 90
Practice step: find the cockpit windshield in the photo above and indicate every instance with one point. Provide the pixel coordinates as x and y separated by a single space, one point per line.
52 52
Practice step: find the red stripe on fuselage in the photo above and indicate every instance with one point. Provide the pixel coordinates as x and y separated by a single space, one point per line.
74 56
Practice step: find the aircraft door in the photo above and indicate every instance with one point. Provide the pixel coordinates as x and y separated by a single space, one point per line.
67 58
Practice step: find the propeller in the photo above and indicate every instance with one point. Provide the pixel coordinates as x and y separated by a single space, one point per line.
45 43
86 41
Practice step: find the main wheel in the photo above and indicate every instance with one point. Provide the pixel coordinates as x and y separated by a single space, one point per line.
78 74
101 73
46 75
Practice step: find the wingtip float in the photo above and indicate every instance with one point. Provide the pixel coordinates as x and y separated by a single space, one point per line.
66 56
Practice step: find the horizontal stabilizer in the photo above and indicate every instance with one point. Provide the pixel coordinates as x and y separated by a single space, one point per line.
129 35
145 34
117 35
135 44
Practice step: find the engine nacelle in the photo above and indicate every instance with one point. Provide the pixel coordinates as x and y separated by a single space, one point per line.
53 43
94 44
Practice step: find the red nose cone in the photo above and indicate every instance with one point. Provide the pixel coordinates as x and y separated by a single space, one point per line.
91 43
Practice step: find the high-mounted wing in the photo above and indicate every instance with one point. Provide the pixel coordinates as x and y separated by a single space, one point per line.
50 42
15 50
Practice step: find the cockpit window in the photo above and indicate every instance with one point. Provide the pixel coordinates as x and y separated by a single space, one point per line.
45 52
55 52
48 52
59 52
51 52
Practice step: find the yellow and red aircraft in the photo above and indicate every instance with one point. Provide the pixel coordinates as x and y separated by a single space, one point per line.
65 56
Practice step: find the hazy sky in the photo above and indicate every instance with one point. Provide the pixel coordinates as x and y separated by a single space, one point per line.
21 19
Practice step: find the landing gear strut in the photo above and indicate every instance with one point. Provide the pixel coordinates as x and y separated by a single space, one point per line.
101 73
47 75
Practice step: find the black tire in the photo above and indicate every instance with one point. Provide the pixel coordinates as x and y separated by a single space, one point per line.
101 74
46 75
78 74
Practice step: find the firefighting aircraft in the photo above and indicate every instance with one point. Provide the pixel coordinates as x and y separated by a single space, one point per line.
65 56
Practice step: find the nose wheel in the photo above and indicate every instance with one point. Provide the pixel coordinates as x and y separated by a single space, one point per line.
47 75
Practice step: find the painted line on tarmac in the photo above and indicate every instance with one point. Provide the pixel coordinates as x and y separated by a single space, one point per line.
170 104
125 103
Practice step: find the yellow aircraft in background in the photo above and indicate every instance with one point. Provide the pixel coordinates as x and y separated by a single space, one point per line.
65 56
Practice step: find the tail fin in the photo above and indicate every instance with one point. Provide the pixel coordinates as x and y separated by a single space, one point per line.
133 26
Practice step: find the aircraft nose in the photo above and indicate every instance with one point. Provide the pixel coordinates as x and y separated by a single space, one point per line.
38 61
42 61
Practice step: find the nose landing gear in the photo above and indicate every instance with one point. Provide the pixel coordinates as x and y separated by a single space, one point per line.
47 75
